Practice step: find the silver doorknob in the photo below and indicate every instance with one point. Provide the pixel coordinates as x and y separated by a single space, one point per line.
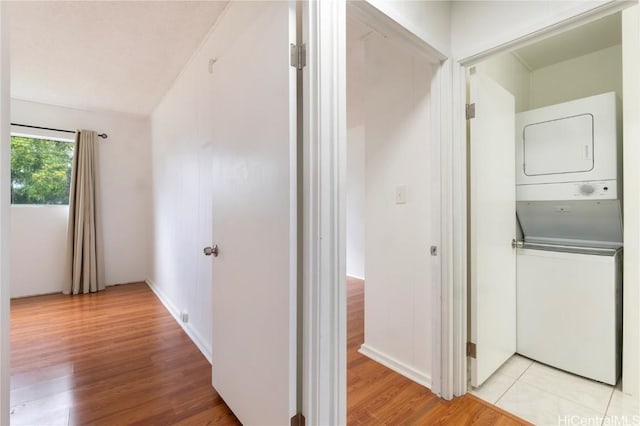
208 251
517 244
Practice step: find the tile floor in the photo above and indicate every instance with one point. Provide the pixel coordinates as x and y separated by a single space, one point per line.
546 396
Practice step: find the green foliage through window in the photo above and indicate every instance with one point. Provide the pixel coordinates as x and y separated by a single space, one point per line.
40 170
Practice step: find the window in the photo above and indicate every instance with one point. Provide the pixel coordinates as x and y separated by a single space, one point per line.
40 170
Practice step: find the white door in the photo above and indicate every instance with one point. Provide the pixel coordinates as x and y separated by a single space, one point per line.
492 227
254 213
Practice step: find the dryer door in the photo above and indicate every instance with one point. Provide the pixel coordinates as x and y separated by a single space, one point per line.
575 141
564 145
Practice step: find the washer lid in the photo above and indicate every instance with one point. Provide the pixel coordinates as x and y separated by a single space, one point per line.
592 223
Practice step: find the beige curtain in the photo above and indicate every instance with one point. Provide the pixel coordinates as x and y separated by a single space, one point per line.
84 233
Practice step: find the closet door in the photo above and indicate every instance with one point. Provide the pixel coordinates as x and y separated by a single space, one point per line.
493 226
254 212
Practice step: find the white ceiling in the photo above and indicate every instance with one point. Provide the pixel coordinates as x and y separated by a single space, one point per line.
596 35
104 55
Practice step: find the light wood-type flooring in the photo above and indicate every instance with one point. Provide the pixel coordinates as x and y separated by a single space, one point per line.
379 396
119 358
112 358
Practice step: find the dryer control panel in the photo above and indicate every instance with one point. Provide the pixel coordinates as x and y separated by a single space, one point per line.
600 189
589 190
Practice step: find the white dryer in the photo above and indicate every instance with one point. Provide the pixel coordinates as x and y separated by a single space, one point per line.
570 151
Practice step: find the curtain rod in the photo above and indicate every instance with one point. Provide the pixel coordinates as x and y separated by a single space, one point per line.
101 135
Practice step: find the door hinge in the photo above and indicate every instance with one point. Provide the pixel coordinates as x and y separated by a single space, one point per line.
470 111
471 350
297 420
298 56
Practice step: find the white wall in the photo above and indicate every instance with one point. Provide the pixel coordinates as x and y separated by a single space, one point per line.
511 74
125 173
179 273
587 75
429 20
38 249
398 324
357 31
355 150
477 26
355 202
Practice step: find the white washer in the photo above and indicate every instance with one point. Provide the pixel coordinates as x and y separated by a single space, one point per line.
568 311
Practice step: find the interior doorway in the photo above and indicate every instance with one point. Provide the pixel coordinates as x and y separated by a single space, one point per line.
545 83
393 215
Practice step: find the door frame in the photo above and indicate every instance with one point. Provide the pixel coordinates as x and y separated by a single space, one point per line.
456 309
5 211
324 201
323 231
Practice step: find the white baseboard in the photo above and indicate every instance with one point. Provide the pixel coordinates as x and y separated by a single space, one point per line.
395 365
175 313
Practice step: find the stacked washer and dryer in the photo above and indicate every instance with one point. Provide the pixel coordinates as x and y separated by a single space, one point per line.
569 208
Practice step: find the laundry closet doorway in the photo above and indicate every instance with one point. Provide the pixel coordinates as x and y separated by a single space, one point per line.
583 64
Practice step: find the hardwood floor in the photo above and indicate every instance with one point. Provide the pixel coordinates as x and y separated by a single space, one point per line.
112 358
119 358
379 396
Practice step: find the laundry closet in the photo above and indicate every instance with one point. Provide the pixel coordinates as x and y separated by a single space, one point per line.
546 206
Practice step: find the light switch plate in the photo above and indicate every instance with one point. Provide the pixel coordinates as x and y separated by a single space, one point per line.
401 194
